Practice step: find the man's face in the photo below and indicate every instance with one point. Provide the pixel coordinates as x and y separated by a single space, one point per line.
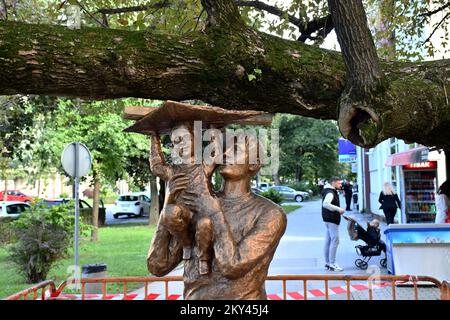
337 184
237 166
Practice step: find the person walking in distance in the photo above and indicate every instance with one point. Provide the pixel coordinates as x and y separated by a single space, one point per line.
389 202
331 215
443 203
348 192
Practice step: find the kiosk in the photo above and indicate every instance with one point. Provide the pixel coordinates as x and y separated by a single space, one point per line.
419 249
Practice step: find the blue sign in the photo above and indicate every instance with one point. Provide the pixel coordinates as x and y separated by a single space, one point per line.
346 151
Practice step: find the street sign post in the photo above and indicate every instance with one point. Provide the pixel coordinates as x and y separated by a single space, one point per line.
76 161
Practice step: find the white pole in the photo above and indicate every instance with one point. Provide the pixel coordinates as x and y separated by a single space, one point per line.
77 207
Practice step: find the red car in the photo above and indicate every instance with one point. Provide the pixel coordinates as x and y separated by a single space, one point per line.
15 195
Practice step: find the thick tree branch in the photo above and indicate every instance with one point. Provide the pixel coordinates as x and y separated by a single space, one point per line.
222 13
358 119
96 63
322 26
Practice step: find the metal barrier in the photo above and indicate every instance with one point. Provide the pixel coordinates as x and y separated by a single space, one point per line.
414 281
42 287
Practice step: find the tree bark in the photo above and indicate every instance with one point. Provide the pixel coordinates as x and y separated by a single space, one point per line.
365 79
95 207
5 192
154 208
276 179
223 13
214 67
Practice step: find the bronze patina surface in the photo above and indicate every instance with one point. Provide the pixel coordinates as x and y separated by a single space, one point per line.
227 238
163 119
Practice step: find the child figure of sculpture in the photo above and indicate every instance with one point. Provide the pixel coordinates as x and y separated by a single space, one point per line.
175 216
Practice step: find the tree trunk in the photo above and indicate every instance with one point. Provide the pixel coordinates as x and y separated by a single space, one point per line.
276 179
95 206
154 208
358 119
298 173
39 187
5 193
213 66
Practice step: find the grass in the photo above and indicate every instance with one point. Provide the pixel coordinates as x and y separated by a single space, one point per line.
292 207
122 247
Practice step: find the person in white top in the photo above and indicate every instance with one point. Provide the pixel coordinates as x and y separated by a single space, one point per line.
331 216
443 203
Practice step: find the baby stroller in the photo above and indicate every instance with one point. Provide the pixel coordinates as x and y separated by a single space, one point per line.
374 246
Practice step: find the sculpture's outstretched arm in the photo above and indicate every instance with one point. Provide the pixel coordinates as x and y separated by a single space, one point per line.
157 162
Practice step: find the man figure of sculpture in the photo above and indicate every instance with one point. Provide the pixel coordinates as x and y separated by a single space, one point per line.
176 216
246 231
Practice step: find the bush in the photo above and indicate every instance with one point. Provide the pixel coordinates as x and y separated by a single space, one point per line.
273 195
108 196
6 233
42 237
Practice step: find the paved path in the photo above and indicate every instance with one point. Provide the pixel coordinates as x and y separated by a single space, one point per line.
301 252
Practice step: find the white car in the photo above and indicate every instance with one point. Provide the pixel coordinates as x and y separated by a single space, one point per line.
13 209
131 205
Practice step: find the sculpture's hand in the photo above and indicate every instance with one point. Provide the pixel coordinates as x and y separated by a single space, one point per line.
207 204
177 184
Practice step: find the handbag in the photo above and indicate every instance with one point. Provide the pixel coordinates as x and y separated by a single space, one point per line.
447 217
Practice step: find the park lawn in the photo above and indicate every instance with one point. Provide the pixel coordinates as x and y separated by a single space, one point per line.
292 207
122 247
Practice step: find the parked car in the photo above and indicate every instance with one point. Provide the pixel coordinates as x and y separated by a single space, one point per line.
257 190
290 194
131 205
13 209
85 209
264 186
15 195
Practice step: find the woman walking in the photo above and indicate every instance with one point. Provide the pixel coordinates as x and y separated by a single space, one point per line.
389 202
443 203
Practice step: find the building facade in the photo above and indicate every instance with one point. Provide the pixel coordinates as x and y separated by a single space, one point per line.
414 171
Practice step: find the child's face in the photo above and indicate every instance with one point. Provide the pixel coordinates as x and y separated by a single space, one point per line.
375 224
182 139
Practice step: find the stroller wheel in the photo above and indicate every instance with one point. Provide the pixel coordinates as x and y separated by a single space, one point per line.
383 262
361 264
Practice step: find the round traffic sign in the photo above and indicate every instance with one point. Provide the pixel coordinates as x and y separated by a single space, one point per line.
82 161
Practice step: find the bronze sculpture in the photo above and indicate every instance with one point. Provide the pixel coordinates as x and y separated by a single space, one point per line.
232 234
